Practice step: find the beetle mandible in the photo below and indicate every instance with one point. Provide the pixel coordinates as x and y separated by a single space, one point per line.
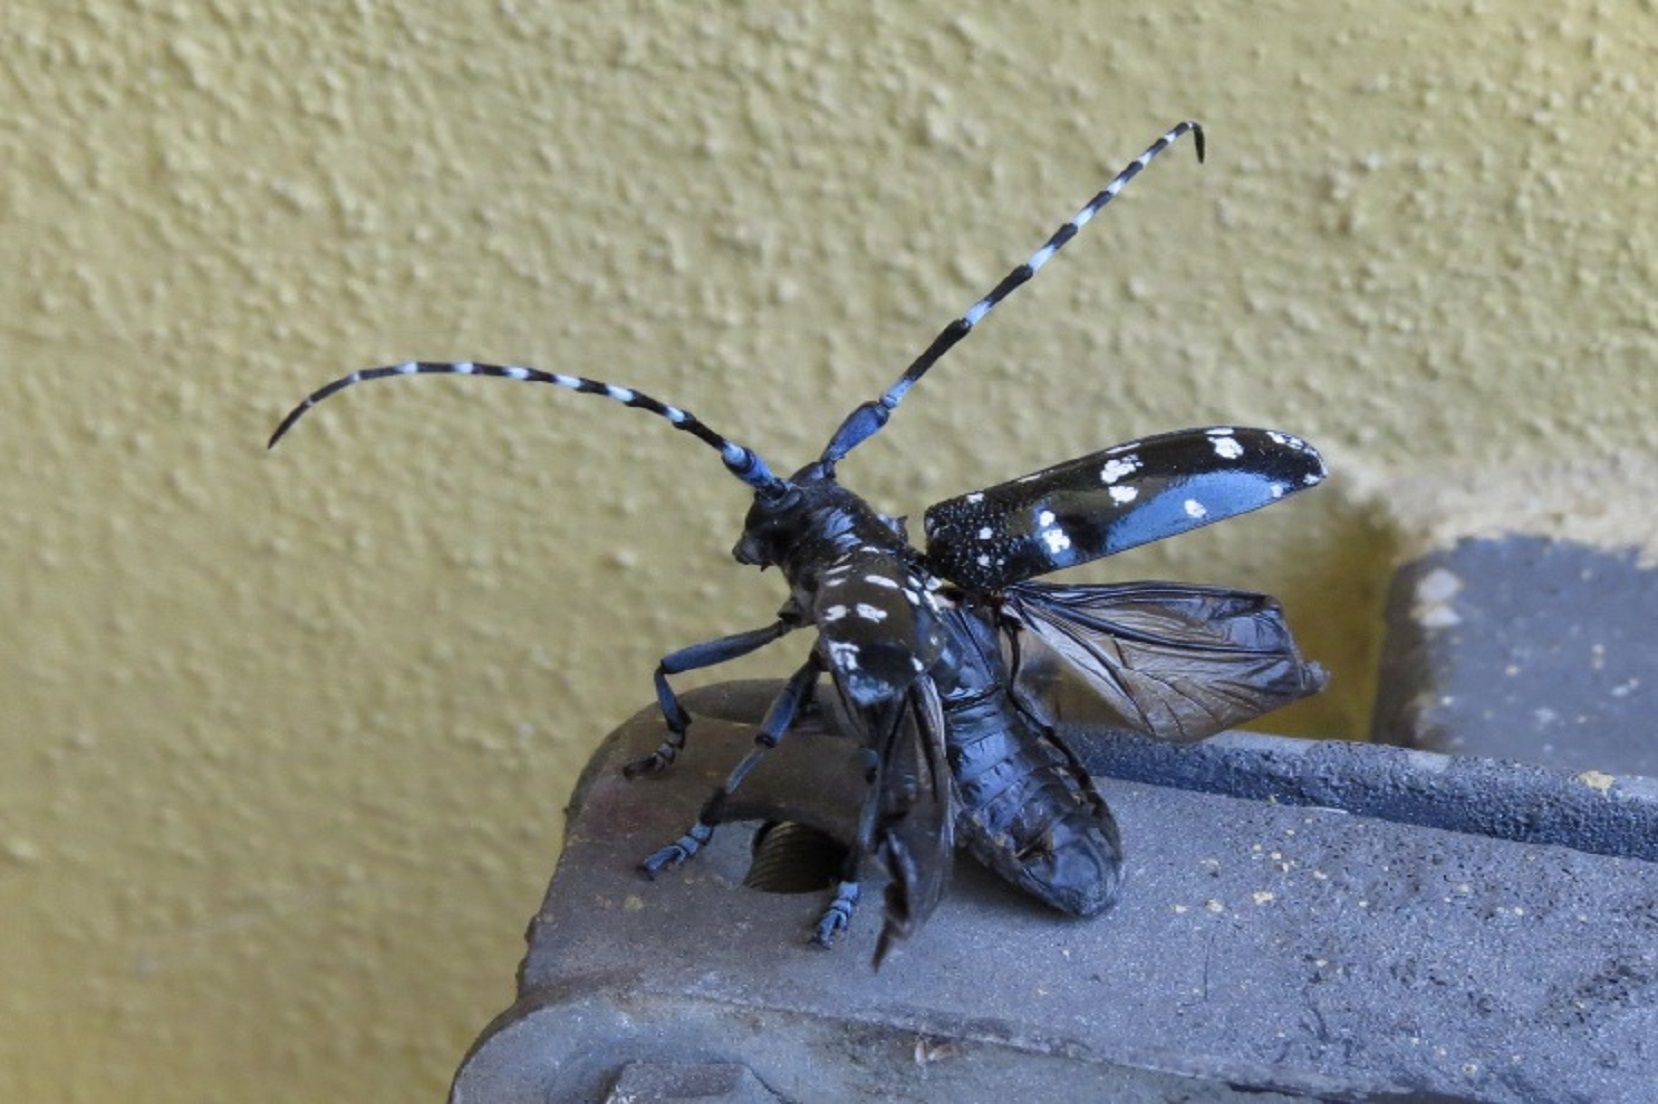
927 650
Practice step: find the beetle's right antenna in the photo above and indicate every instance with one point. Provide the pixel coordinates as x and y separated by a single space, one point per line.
867 420
740 460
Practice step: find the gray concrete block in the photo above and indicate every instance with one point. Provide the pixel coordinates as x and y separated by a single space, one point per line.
1524 648
1262 951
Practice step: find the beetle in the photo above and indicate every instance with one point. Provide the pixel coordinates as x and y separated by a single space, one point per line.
931 654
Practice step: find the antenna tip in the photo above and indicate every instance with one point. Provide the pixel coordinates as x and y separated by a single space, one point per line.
288 423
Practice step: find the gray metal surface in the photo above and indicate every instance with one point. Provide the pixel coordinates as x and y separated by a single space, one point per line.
1261 951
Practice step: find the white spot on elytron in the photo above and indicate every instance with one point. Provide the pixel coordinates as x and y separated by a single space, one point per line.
463 368
984 561
1122 496
975 498
1311 477
1046 517
1057 541
1119 468
1227 447
871 613
881 581
916 665
1195 509
1277 490
833 613
843 654
986 533
518 373
411 366
914 596
1275 437
1219 431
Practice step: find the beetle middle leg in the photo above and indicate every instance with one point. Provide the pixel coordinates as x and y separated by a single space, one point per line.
780 717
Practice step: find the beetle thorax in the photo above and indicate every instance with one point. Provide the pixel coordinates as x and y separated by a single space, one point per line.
817 523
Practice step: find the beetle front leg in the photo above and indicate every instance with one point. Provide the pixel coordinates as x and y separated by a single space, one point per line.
709 653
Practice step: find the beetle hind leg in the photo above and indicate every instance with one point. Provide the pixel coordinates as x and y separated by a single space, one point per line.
837 917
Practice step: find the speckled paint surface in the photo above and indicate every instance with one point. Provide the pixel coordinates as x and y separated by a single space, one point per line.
288 735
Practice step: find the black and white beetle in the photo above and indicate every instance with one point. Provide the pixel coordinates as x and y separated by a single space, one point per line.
928 651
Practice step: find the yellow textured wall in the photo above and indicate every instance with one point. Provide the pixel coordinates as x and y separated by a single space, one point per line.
287 735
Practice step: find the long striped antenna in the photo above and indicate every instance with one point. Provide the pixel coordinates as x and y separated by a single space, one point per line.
867 420
741 461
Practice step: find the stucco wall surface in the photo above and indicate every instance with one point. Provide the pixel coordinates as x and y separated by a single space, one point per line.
287 734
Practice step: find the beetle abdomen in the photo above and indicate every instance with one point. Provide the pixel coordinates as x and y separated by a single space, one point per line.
1029 814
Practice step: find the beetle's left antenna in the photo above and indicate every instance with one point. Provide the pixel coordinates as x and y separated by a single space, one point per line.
867 420
740 460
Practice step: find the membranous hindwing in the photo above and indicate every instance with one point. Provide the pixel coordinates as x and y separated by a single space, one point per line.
1175 661
1109 501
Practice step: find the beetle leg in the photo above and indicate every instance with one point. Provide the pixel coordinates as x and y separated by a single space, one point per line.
778 720
709 653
